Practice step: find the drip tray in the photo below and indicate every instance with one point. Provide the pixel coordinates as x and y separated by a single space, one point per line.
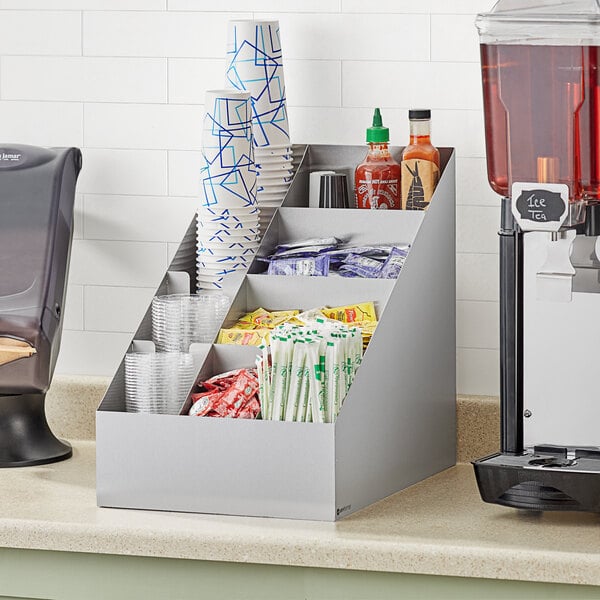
556 478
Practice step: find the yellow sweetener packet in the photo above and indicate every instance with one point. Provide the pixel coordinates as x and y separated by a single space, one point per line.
243 337
281 316
367 327
261 317
248 326
252 319
352 313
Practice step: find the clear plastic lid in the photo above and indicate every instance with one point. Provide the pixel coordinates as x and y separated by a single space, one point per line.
547 22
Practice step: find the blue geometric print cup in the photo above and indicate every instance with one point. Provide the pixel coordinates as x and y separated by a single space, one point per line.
228 174
254 63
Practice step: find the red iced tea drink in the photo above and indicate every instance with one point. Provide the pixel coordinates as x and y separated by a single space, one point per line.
542 102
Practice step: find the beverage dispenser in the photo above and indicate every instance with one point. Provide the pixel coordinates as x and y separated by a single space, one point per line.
37 192
541 90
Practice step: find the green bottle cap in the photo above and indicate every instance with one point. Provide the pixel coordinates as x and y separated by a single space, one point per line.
377 133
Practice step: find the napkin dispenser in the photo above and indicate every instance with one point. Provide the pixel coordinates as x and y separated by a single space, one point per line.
37 192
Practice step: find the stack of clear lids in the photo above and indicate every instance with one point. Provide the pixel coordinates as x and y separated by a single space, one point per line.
157 382
179 320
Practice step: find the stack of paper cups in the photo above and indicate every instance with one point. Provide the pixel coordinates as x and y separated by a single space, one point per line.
254 63
228 216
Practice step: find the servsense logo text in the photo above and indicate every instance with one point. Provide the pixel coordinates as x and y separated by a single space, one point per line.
9 157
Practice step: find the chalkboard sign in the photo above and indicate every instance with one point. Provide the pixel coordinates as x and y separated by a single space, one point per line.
540 206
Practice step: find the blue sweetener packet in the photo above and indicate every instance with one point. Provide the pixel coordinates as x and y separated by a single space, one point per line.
394 263
312 266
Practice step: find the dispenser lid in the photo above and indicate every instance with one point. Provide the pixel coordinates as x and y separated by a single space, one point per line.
541 22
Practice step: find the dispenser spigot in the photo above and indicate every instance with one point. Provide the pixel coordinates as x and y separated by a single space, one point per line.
555 277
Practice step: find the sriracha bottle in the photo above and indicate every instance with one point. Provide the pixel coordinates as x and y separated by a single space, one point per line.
377 179
420 163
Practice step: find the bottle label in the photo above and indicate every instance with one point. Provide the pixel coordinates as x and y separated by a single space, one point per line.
419 178
378 192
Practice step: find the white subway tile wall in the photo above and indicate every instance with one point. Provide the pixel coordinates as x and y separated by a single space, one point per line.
125 81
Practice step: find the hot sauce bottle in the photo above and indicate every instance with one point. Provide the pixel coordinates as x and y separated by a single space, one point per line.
377 179
420 163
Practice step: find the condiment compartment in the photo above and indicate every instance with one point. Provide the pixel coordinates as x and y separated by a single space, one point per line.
355 226
278 292
397 425
341 159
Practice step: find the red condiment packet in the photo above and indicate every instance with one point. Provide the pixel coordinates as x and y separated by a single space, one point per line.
233 394
203 403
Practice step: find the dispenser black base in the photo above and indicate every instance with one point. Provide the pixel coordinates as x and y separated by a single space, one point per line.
25 437
541 481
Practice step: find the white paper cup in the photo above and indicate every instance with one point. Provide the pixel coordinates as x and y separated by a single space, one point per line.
272 204
228 110
228 175
223 155
220 270
224 251
245 229
274 177
231 219
216 212
274 166
271 157
232 225
228 238
268 195
228 234
235 188
274 153
229 247
254 63
225 262
239 226
200 272
272 189
204 285
270 124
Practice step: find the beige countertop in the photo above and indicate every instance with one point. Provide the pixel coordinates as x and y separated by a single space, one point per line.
439 526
